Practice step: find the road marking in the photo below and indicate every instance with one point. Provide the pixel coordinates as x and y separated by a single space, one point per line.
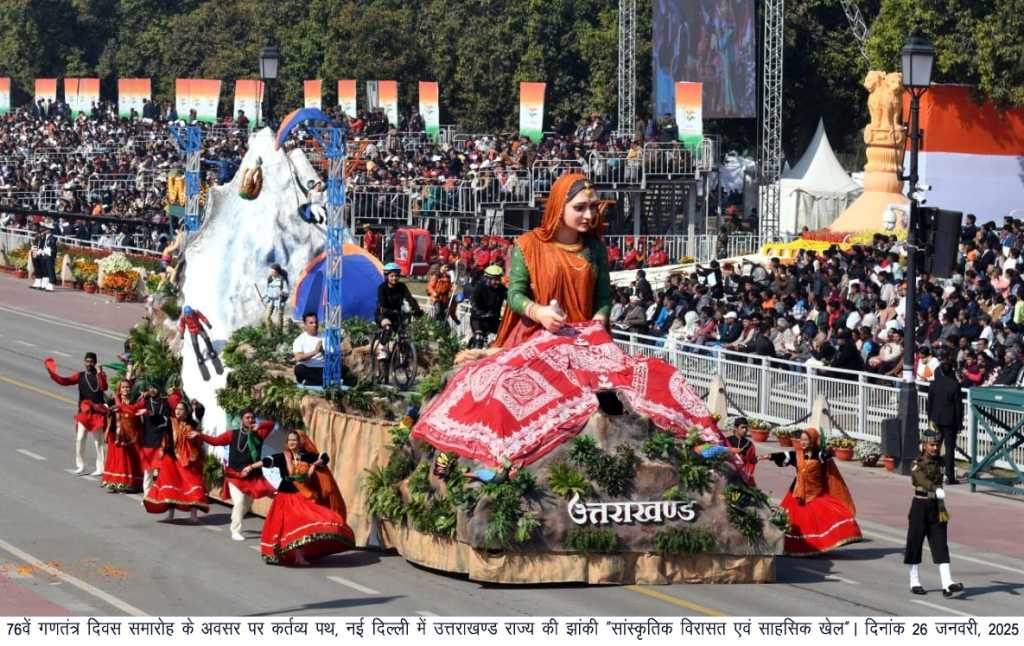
60 354
675 601
935 606
352 584
959 557
81 327
37 390
212 528
255 547
827 576
34 456
26 343
426 613
109 599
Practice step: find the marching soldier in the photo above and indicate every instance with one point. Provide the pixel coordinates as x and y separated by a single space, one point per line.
928 518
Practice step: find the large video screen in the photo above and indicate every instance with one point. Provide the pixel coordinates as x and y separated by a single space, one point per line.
711 41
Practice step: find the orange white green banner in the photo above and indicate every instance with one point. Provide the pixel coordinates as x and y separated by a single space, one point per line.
347 97
201 95
131 94
249 99
46 89
313 92
430 108
388 96
5 94
81 95
689 113
531 110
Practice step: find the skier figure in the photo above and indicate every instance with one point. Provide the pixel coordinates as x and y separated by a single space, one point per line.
315 210
194 320
276 298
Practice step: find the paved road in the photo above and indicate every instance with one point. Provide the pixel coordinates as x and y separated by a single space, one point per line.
68 547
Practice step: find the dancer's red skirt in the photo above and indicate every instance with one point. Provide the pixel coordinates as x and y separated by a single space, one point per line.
150 457
178 487
821 525
296 522
122 468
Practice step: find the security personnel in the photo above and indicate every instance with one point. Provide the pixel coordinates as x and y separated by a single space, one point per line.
928 518
946 412
487 300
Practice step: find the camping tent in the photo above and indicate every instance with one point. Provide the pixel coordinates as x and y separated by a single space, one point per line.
361 274
817 189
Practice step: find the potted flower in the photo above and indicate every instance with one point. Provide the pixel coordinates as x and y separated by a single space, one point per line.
759 430
868 453
19 260
889 462
783 436
120 283
842 448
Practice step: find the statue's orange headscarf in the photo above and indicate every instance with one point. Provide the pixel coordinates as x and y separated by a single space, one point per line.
834 484
553 272
555 207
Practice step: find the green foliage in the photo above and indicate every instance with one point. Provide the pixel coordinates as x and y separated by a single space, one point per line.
566 481
591 540
358 331
508 522
171 309
400 465
742 505
780 518
613 474
382 496
747 522
685 541
213 471
660 446
419 481
676 493
430 385
153 355
400 436
427 335
694 476
265 345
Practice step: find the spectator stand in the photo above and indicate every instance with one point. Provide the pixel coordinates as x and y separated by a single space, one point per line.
996 436
780 391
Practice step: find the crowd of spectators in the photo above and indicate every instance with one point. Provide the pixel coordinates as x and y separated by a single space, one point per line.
845 309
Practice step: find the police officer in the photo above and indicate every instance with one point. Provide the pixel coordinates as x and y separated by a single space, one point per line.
928 518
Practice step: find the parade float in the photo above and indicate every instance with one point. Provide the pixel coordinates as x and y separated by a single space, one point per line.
561 460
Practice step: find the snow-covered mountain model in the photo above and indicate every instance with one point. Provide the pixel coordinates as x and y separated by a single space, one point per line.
233 250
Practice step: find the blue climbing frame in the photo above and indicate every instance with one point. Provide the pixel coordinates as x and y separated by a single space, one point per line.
190 143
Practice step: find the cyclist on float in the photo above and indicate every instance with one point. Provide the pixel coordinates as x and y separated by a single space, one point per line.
390 296
487 300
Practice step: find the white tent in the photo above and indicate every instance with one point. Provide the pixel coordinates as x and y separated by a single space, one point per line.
817 189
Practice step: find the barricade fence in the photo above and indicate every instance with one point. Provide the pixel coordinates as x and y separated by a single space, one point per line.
12 238
783 392
702 248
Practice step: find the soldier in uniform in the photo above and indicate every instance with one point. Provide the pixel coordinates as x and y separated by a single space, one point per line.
928 518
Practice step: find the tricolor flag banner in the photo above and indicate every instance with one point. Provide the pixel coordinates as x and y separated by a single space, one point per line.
201 95
689 113
388 92
249 99
430 109
46 89
972 153
531 110
5 94
81 95
313 92
131 93
347 97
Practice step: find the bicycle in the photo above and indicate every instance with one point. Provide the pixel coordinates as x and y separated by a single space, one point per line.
393 356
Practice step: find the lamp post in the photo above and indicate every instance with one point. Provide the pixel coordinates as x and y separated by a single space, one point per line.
917 58
270 61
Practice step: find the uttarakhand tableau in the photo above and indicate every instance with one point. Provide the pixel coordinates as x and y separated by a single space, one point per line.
565 451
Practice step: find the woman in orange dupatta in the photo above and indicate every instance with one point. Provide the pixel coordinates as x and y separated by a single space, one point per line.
180 482
821 511
320 486
561 261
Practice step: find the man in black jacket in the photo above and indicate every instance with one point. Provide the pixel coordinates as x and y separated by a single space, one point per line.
946 412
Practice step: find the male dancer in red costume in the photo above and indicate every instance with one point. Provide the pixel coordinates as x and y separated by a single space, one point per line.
242 483
92 408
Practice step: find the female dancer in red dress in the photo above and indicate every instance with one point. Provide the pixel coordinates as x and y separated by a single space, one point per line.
180 482
122 470
821 512
298 530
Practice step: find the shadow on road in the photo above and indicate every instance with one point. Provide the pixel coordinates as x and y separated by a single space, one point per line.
327 606
995 588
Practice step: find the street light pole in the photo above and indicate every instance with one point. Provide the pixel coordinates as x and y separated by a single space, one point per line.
917 58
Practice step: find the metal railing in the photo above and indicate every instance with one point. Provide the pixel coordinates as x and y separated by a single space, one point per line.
544 172
378 203
668 161
11 238
615 170
783 392
702 248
